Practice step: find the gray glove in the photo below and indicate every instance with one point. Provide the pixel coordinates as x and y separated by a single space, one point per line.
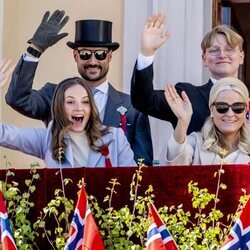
47 33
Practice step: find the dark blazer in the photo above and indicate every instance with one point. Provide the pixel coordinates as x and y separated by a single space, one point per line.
152 102
37 103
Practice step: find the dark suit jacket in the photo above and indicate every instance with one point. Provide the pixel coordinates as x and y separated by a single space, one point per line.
37 103
152 102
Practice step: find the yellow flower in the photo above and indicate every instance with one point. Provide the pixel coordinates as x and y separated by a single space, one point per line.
223 153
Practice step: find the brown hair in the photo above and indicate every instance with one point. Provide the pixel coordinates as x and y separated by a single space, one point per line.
232 37
61 123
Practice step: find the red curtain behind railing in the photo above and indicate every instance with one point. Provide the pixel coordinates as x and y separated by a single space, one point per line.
169 184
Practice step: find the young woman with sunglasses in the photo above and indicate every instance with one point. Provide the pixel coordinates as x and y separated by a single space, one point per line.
225 134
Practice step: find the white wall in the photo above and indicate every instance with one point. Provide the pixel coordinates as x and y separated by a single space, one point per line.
1 28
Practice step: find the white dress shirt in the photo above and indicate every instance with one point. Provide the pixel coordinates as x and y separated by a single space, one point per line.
101 98
144 61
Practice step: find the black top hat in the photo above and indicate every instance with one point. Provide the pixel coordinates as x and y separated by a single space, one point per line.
93 33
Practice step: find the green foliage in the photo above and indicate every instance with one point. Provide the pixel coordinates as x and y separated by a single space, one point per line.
19 206
126 227
57 211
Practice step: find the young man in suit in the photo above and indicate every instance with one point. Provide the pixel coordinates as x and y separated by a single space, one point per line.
222 54
92 52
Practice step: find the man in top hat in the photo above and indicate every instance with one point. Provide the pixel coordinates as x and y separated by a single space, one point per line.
92 51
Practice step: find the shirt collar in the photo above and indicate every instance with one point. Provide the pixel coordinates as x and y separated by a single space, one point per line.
213 80
104 87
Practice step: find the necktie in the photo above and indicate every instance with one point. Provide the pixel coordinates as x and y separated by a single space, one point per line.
94 90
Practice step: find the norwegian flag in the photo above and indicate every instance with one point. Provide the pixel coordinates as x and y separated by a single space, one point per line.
7 239
83 233
239 236
158 237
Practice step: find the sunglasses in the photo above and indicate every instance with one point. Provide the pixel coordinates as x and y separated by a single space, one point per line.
223 107
100 55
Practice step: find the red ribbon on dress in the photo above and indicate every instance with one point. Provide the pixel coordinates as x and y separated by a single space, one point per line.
122 110
123 123
105 152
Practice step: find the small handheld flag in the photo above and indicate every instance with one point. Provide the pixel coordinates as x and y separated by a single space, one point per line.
83 233
158 236
239 236
7 239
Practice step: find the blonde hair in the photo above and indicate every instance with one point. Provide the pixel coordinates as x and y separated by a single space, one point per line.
232 37
210 134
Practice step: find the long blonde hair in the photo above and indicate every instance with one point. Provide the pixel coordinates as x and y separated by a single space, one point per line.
210 134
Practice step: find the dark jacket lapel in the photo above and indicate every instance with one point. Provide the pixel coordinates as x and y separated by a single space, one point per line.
112 116
205 90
